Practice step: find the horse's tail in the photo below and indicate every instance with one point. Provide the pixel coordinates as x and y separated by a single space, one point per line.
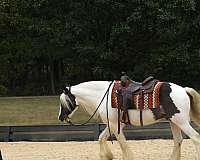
195 104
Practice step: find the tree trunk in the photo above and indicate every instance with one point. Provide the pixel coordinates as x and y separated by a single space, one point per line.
52 76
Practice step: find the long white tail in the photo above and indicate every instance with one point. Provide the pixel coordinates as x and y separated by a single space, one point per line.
195 104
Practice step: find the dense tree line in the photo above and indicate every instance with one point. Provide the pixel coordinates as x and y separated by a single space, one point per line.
45 44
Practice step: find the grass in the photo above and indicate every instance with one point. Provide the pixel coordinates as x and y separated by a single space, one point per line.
33 110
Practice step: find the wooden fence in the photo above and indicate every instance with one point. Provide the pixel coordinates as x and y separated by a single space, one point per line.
79 133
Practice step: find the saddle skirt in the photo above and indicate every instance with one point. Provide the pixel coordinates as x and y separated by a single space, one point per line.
139 100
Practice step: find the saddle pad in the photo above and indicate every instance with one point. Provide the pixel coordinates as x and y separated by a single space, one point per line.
140 101
114 101
148 100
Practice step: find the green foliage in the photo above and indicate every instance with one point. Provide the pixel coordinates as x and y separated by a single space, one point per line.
3 90
45 44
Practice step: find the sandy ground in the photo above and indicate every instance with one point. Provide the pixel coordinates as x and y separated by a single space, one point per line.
142 149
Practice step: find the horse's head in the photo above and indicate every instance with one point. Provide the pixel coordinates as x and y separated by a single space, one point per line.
67 105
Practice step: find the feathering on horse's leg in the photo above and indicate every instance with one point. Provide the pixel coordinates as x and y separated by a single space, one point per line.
177 136
105 152
126 151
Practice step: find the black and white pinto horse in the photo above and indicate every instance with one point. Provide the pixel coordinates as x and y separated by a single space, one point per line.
89 94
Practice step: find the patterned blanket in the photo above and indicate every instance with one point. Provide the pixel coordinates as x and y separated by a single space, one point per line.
139 101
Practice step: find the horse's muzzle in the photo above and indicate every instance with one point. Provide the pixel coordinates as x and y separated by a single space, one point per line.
61 118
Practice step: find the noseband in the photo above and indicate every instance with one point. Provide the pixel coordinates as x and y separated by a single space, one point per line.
72 98
72 104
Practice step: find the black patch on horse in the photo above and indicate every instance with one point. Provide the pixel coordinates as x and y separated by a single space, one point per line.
158 113
64 111
166 102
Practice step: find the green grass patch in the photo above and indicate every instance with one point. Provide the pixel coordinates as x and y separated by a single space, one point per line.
34 110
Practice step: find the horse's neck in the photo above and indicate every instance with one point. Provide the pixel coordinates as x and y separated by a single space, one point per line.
88 89
89 94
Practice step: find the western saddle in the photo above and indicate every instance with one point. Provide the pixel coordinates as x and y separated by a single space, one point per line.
129 88
146 86
134 87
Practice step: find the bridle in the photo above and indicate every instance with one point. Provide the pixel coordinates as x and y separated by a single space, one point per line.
72 104
68 120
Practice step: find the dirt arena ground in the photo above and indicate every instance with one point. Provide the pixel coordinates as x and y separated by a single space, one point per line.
142 149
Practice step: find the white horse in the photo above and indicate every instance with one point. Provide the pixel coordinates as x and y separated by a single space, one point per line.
186 102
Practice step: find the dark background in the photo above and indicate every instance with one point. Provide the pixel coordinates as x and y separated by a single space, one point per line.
46 44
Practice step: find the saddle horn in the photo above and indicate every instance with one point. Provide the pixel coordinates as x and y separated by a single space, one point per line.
124 79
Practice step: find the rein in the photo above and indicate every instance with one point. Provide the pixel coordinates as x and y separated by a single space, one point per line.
106 93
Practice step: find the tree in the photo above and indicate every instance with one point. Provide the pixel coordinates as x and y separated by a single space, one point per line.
45 44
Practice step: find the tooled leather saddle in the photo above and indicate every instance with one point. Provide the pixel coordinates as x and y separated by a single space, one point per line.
135 88
126 89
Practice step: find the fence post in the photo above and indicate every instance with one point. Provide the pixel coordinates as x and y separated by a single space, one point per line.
7 137
96 131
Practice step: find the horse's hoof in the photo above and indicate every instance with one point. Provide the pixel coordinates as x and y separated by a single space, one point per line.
106 157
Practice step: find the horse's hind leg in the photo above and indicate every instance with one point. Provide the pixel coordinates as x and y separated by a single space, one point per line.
105 152
177 135
189 131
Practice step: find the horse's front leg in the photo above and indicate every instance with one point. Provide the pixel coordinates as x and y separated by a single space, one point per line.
126 151
105 152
